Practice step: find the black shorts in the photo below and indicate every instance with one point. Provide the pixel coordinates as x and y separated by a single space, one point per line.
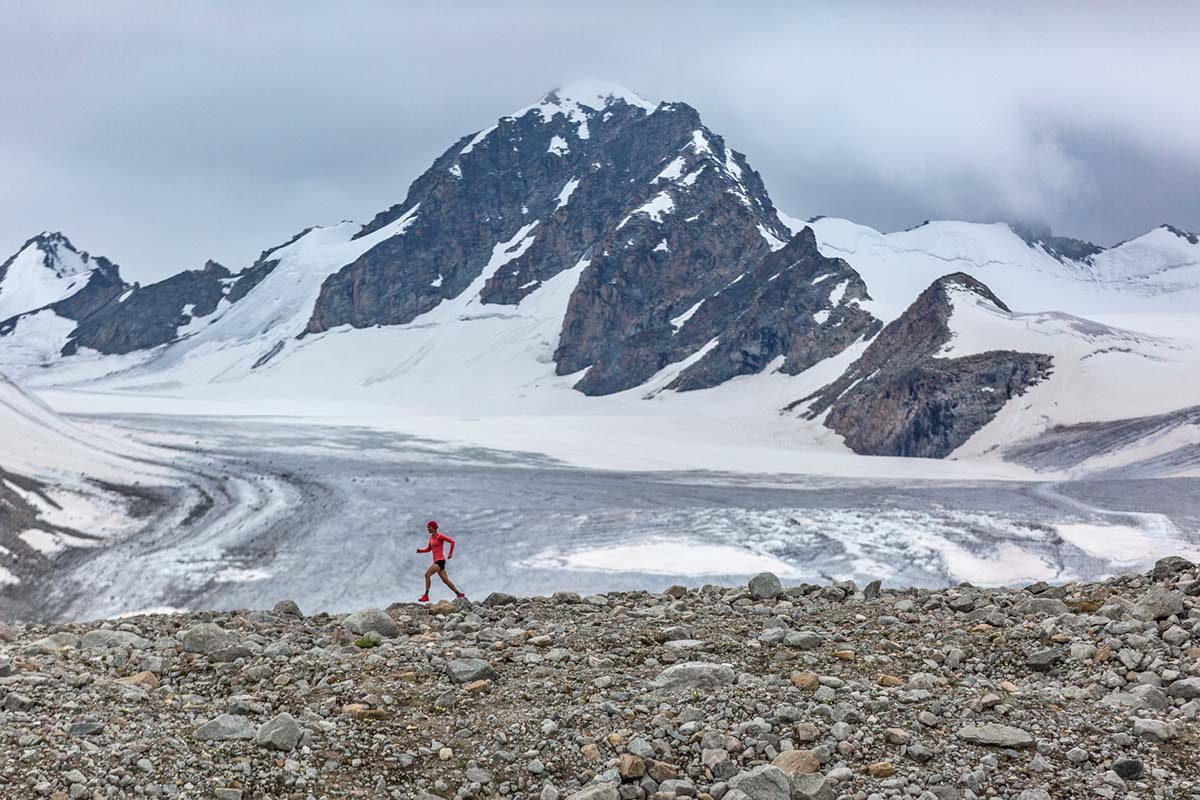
441 563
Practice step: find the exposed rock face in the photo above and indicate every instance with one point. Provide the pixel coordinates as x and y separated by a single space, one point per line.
151 315
1062 248
795 304
684 240
900 399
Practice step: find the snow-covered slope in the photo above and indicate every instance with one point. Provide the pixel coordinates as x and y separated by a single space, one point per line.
1152 282
45 270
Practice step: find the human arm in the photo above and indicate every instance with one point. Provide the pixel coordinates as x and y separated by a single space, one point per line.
425 549
446 538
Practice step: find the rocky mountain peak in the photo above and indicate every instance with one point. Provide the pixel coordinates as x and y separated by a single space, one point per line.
654 204
1182 234
597 95
50 272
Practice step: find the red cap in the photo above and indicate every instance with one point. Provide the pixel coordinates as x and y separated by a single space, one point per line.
431 524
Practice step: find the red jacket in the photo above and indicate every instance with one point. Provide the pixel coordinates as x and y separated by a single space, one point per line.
435 544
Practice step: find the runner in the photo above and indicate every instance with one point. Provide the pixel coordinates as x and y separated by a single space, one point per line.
436 540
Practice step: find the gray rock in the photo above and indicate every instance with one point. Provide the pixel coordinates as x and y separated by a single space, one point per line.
465 670
15 701
1157 602
287 608
206 637
996 735
1129 769
85 728
694 675
1153 730
5 667
224 728
372 619
224 655
804 640
50 645
1168 567
280 733
598 791
1042 606
499 599
104 639
1138 697
810 787
765 586
1186 688
873 590
1044 660
763 783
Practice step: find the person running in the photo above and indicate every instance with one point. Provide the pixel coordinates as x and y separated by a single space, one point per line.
436 541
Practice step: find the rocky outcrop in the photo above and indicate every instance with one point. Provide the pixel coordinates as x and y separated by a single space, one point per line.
1063 248
148 316
795 305
902 399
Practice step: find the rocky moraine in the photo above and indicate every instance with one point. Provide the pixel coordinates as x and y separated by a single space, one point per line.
1088 690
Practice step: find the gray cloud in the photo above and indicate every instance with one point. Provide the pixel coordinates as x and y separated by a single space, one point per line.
164 134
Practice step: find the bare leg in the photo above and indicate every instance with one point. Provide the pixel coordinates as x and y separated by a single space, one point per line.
446 580
429 574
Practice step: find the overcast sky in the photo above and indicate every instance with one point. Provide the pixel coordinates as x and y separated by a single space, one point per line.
163 134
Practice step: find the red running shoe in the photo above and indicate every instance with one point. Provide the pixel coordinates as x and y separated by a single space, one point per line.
423 598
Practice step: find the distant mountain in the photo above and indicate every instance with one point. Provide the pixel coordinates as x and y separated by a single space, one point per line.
912 394
597 242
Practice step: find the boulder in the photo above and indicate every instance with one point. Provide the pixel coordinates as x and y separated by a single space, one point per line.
1156 603
279 733
765 586
810 787
1168 567
467 670
996 735
1186 688
104 639
54 643
499 599
372 619
206 637
766 782
1153 730
694 675
803 640
597 791
1044 660
224 728
287 608
1138 697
